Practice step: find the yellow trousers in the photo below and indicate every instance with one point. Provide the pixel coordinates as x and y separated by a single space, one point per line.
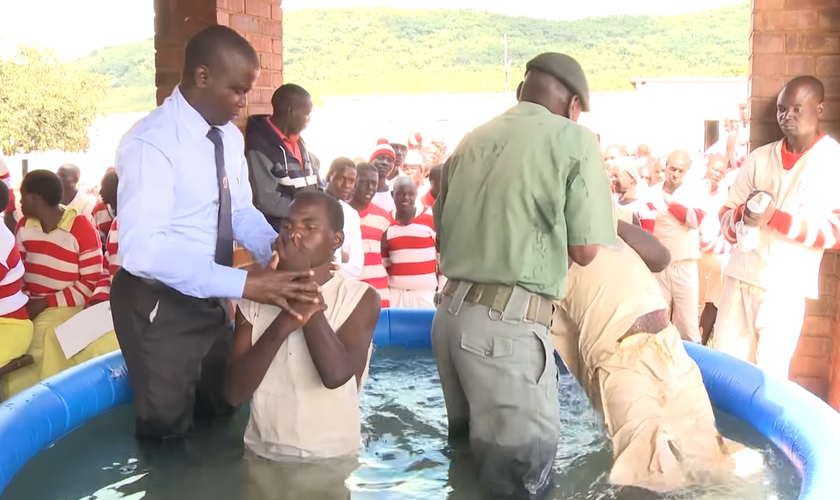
47 353
15 338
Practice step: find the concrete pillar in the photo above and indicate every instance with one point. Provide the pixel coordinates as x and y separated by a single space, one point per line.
791 38
260 21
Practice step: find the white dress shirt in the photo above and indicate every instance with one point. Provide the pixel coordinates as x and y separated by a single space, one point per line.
169 202
352 244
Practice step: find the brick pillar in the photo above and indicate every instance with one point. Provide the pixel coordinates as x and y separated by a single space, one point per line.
791 38
260 21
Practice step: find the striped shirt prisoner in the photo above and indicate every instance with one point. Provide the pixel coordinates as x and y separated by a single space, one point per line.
110 265
12 299
102 216
64 265
410 256
374 223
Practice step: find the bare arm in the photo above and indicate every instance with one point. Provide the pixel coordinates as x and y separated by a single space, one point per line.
649 248
339 356
246 363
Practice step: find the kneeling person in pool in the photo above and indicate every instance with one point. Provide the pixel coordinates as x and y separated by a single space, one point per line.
614 335
304 375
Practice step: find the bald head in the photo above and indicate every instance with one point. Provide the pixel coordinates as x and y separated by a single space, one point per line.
798 111
404 181
675 169
543 89
69 175
811 85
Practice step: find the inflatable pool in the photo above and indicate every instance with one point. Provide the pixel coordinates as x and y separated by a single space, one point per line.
804 428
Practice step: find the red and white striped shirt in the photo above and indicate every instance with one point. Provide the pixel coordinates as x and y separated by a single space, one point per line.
110 265
374 223
12 300
102 218
64 265
410 255
6 178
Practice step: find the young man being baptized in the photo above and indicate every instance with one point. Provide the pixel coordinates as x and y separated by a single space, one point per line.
613 333
304 375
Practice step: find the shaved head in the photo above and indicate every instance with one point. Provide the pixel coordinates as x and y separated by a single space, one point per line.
809 84
543 89
675 169
404 181
799 108
679 156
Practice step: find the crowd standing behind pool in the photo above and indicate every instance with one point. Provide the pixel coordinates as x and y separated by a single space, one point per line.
485 231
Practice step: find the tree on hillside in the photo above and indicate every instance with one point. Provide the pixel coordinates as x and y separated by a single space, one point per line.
46 104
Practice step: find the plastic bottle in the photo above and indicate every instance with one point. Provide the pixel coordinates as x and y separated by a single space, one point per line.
748 236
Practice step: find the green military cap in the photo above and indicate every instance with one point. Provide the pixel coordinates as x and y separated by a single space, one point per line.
565 69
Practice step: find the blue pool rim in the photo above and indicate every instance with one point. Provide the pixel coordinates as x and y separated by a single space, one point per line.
802 426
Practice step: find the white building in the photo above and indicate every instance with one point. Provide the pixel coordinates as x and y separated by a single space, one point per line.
665 113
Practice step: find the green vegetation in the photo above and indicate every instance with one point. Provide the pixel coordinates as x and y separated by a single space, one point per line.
369 51
46 104
130 70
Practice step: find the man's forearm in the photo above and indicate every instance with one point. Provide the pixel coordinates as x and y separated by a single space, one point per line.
244 375
328 353
254 233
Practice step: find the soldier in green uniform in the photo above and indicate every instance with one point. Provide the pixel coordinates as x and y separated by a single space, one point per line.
522 196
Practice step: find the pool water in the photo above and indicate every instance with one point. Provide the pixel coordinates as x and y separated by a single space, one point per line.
405 455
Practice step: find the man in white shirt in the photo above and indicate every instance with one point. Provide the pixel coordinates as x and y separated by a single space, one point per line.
183 198
678 205
776 263
341 180
73 196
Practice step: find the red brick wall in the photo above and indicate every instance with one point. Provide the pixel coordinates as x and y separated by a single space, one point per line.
260 21
791 38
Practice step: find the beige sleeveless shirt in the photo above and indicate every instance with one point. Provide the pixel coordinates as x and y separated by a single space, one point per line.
292 414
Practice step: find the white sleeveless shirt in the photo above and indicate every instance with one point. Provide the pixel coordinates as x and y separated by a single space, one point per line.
292 414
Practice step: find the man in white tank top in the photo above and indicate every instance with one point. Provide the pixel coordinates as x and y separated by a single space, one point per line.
776 264
304 376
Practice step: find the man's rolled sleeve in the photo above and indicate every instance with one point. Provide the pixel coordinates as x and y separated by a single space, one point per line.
589 209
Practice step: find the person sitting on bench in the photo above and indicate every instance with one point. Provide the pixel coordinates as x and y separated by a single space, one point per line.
15 326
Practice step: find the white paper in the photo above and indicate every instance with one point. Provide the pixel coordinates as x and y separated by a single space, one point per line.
82 329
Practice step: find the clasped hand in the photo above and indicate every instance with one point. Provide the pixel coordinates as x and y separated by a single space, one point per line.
756 220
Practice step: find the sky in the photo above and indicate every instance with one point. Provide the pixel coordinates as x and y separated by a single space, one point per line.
77 27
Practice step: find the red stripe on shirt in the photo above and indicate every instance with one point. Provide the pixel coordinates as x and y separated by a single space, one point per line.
373 223
411 253
62 266
110 267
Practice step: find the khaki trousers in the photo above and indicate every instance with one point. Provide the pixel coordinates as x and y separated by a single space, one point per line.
758 325
499 381
680 284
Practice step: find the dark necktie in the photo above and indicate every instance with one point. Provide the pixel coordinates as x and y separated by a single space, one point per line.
224 238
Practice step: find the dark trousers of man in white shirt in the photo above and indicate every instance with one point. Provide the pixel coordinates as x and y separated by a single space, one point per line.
175 347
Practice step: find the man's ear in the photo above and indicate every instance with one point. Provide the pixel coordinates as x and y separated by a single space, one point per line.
201 76
339 240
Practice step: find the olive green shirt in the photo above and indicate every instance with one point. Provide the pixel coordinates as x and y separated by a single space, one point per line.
516 193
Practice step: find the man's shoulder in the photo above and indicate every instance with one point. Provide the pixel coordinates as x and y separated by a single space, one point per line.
159 128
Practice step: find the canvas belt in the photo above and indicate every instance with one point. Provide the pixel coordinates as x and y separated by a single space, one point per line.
540 309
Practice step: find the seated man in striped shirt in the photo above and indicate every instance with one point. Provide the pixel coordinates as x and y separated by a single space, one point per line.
15 327
62 258
374 222
408 248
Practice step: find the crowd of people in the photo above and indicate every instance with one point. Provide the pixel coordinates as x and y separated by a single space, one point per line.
529 239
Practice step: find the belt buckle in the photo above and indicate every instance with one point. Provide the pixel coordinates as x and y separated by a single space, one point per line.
536 310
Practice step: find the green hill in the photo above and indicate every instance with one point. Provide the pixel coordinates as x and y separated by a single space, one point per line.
369 51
